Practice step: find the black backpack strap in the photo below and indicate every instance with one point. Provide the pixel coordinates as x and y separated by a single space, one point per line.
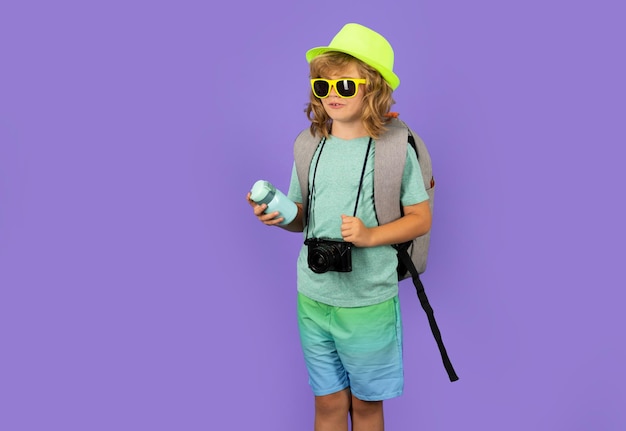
403 255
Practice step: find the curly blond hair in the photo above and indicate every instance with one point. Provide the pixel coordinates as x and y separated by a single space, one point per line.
377 99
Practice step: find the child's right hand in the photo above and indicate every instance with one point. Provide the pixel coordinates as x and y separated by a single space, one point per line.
270 219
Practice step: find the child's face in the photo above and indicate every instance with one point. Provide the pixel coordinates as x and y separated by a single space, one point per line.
344 111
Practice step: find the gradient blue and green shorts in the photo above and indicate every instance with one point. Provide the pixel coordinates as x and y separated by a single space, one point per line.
353 347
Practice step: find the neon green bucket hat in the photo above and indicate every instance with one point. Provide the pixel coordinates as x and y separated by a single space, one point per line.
364 44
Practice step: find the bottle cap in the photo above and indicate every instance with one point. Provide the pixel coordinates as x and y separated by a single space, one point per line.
262 192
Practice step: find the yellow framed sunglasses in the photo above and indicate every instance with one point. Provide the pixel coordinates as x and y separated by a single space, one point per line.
345 87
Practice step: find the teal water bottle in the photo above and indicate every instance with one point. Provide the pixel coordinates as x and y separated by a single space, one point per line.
263 192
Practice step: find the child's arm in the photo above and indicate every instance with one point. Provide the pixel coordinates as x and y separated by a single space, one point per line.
271 219
296 223
415 222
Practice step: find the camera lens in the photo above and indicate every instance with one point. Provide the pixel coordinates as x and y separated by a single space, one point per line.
323 257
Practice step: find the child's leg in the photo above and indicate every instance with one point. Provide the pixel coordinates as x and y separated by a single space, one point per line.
367 415
331 411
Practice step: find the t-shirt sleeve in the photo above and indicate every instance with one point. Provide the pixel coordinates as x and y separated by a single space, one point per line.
413 190
295 192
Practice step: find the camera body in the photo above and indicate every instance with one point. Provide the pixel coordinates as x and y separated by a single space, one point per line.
329 255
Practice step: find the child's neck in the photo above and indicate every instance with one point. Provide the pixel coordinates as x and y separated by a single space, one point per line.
348 130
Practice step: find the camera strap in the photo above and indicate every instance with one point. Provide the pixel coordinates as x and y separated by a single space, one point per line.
312 192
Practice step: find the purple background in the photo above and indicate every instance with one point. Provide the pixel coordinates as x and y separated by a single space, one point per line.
137 292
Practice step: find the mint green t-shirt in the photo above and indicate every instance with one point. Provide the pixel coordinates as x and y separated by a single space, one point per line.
373 278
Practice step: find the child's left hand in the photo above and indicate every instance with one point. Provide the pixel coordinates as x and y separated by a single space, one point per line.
353 230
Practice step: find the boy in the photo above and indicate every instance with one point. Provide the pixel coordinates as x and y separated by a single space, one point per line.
348 309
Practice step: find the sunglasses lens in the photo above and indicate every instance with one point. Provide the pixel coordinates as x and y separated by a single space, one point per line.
346 87
321 88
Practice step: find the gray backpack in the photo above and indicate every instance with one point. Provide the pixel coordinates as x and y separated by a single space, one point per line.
391 150
388 163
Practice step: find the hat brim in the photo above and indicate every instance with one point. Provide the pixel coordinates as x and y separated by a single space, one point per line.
388 75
